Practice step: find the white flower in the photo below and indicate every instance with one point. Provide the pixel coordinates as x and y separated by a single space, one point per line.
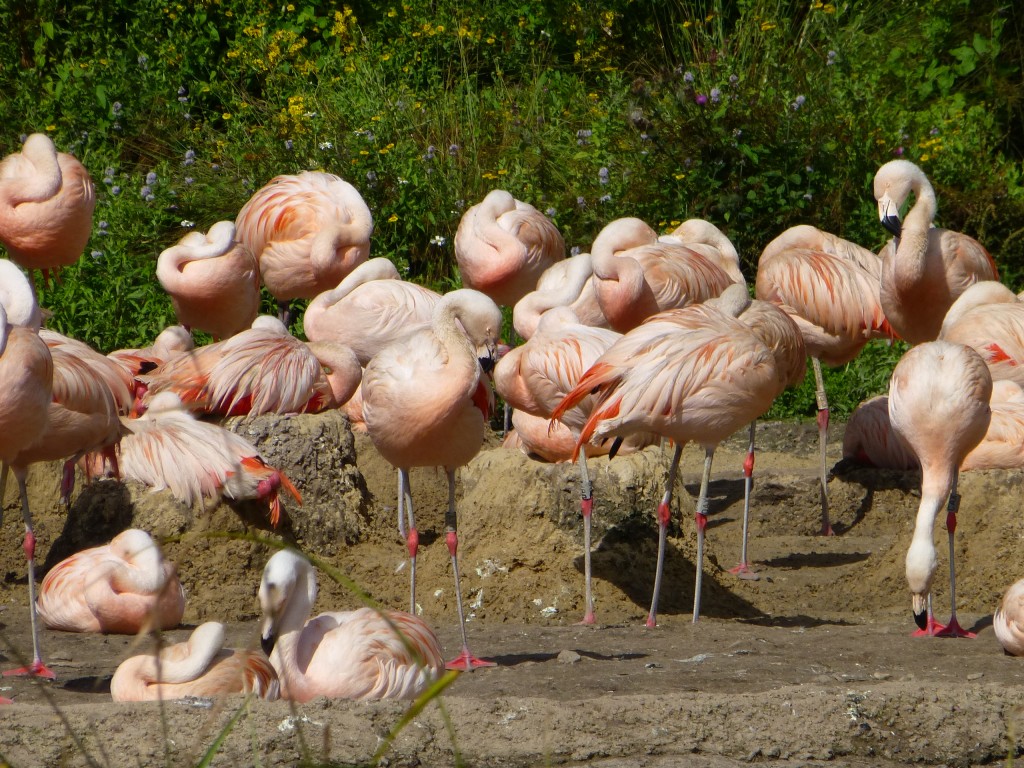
187 224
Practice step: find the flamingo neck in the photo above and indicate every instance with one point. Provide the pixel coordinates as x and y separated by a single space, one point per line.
527 312
45 179
912 248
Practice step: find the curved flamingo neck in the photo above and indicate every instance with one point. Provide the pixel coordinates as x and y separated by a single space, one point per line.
619 283
446 326
367 272
17 297
527 312
912 249
186 661
46 177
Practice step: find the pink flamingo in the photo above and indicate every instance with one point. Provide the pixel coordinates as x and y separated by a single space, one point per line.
924 268
46 206
361 654
213 281
503 245
122 587
167 447
425 402
709 241
939 406
989 317
829 286
371 308
261 370
536 376
26 386
540 438
1008 620
307 232
636 275
200 666
173 341
696 373
565 283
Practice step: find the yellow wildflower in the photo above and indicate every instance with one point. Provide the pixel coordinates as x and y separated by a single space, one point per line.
392 218
226 115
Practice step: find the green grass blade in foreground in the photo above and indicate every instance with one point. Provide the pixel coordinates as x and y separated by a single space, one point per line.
417 706
228 727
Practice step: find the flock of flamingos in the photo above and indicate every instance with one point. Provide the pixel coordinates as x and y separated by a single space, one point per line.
644 337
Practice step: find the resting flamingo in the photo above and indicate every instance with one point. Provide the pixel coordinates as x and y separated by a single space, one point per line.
1008 620
371 308
167 447
939 406
173 341
361 654
503 245
213 281
708 240
46 206
307 231
924 268
566 283
536 376
636 276
829 286
425 402
989 317
696 373
26 386
201 666
122 587
261 370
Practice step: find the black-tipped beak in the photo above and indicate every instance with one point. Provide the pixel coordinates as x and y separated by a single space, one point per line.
921 619
268 643
893 225
616 444
487 363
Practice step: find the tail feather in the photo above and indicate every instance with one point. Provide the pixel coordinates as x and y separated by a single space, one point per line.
599 414
596 376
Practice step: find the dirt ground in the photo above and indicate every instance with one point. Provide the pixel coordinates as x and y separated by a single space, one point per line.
810 664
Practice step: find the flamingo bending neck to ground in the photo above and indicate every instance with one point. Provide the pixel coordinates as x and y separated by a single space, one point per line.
425 402
362 654
925 268
939 406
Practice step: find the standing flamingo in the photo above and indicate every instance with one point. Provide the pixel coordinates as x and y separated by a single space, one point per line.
989 318
696 373
425 402
46 206
26 386
361 654
213 281
122 587
503 245
939 406
829 286
371 308
924 268
201 666
307 232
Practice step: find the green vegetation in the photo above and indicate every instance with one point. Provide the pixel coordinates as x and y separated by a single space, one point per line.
756 115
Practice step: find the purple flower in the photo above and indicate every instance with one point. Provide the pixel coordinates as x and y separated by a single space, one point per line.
701 99
716 95
190 157
453 149
604 199
151 178
146 193
430 152
898 151
581 201
831 58
687 76
289 144
116 107
550 212
602 175
798 102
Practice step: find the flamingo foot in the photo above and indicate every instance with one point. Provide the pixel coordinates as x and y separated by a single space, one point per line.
651 622
588 619
467 662
35 669
826 530
744 571
932 629
953 629
4 700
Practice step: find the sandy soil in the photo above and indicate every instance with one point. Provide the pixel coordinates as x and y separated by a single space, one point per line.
810 664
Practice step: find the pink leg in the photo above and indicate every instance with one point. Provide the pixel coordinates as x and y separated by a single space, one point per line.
702 521
931 628
953 628
587 508
823 413
664 514
743 570
465 661
410 534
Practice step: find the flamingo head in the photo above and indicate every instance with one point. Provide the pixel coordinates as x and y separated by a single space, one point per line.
921 567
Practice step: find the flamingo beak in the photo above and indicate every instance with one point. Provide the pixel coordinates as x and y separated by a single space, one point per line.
889 215
921 619
919 606
267 643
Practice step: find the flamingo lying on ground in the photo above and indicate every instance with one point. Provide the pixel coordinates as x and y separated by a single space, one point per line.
122 587
425 402
925 268
201 666
1008 620
939 406
361 654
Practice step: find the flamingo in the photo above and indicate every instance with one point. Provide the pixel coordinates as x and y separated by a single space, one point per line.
361 654
696 373
425 402
989 317
307 231
261 370
1008 620
939 406
636 276
503 246
708 240
540 438
369 309
26 389
564 283
122 587
213 281
924 268
829 286
167 447
46 206
173 341
200 666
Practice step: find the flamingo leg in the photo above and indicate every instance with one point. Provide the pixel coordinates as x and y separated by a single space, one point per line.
587 507
465 661
743 570
36 668
932 628
823 414
702 521
410 534
664 513
953 628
